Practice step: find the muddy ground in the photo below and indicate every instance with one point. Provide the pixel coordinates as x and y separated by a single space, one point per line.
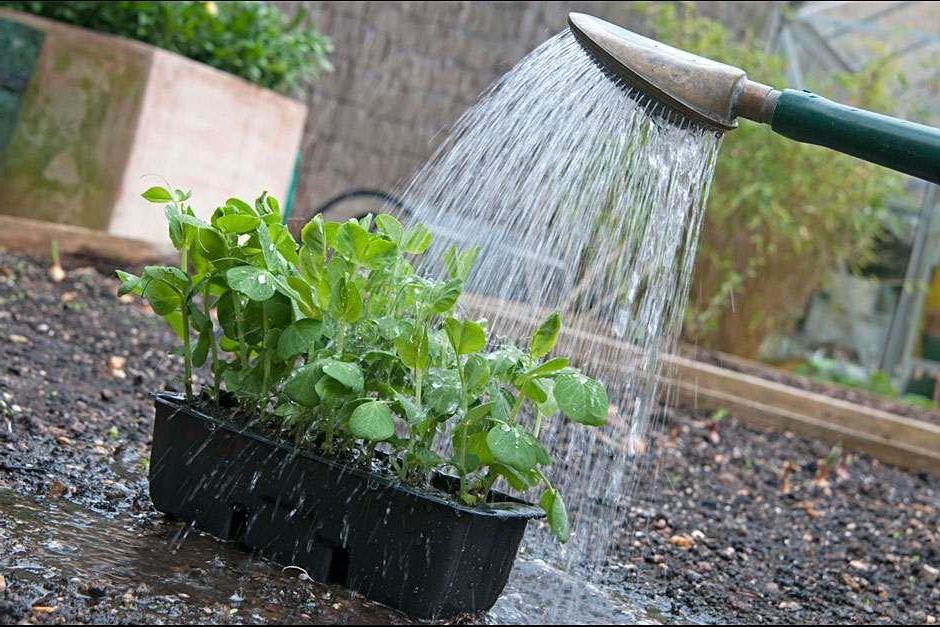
736 525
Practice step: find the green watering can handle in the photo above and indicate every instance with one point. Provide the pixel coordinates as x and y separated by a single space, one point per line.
898 144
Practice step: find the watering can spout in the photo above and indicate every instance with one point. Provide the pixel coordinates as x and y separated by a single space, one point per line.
706 91
715 94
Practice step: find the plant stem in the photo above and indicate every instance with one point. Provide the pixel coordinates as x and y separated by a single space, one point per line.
216 378
464 436
266 376
516 407
240 329
340 338
187 353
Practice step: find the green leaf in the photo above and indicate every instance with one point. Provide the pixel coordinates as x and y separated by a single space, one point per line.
298 338
300 385
511 447
465 337
476 374
163 298
390 226
237 224
240 206
346 301
130 283
158 195
416 239
582 399
550 366
534 392
557 513
332 391
349 374
543 341
170 275
255 283
517 480
372 421
459 264
414 349
444 296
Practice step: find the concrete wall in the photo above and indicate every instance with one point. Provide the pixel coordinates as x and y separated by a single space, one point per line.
406 70
101 113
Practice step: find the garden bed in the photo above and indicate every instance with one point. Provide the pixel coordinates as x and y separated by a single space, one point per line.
75 434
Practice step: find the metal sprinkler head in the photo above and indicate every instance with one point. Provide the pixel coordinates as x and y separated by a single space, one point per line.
708 92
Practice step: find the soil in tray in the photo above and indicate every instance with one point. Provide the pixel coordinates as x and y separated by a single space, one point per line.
75 436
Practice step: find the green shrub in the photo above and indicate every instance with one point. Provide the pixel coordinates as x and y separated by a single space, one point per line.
780 214
253 40
340 346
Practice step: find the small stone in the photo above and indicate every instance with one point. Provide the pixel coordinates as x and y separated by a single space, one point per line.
106 394
19 339
3 584
682 541
116 366
698 534
728 552
858 565
930 573
57 489
63 441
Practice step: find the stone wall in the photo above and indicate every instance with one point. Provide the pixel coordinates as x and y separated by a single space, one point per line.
406 70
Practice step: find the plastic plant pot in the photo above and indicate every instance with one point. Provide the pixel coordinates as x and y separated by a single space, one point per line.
413 550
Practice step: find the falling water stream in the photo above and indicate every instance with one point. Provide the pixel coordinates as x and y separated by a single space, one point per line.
585 197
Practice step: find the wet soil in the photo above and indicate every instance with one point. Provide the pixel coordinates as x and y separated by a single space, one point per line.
758 527
719 535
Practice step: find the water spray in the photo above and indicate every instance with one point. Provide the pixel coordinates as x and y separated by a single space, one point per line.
714 94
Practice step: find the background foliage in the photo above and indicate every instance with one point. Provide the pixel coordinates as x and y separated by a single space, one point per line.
780 214
253 40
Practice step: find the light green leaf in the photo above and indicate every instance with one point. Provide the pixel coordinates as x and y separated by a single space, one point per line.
416 239
510 447
557 513
390 225
372 421
255 283
237 223
349 374
543 341
582 399
158 195
465 337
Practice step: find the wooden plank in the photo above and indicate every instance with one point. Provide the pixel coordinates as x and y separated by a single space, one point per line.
35 237
899 440
903 454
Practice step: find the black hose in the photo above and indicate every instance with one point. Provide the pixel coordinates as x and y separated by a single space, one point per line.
363 193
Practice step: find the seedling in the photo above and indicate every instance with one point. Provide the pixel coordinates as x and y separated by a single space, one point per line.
343 348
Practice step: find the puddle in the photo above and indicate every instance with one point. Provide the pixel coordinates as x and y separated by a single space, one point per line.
538 593
43 542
